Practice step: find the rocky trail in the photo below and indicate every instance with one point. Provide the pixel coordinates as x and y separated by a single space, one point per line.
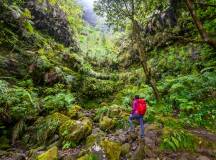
122 143
204 133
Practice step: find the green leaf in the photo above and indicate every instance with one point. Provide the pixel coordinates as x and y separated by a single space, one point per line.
172 145
176 142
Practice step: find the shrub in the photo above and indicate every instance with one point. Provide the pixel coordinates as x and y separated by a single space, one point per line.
59 101
178 140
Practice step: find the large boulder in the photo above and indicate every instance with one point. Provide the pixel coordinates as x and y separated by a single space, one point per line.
75 112
140 152
74 131
125 149
88 157
95 138
46 127
51 154
107 123
112 149
58 126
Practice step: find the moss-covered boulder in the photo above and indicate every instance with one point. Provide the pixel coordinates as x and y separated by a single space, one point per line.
88 157
113 111
46 127
140 152
75 112
51 154
107 123
125 149
74 131
112 149
117 110
95 138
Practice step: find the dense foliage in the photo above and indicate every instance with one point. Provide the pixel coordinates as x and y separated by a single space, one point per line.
66 83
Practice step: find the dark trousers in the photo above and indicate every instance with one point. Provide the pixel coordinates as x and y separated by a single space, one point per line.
140 119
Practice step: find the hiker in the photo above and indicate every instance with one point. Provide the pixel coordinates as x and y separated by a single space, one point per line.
137 113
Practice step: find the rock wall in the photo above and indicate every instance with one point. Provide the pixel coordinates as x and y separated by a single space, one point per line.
51 19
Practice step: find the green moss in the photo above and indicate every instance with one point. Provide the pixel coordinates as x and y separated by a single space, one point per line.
88 157
107 123
94 88
125 149
113 111
76 130
169 121
94 138
46 127
112 149
91 140
51 154
74 112
61 118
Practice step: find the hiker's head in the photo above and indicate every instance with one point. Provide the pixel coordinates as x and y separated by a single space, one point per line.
136 97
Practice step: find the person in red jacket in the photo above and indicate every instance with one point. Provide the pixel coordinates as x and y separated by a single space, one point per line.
137 116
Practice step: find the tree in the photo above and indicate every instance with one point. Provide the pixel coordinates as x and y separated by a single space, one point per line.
199 25
121 12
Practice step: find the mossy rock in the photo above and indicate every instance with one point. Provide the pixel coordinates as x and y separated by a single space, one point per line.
88 157
152 127
113 111
61 118
51 154
94 138
117 111
75 112
107 123
46 127
91 140
140 152
112 149
76 130
125 149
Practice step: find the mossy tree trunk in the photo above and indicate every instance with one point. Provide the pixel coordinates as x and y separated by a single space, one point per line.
144 59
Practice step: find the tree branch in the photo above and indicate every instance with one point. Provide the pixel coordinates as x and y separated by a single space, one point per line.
199 25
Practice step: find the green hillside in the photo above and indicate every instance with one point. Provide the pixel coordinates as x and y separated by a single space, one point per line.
66 87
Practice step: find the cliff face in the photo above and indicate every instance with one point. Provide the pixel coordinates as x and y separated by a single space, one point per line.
51 19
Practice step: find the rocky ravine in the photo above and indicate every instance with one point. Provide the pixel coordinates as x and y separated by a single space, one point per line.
99 139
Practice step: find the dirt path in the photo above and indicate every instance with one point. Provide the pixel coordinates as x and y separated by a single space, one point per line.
204 134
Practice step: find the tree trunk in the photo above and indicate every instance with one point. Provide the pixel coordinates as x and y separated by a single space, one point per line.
199 25
143 60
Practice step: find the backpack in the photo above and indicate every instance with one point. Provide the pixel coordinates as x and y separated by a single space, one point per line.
141 108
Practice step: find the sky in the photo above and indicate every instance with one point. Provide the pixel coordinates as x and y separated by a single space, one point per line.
89 14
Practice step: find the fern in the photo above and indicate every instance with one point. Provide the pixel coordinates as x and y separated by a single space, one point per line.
178 140
59 101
